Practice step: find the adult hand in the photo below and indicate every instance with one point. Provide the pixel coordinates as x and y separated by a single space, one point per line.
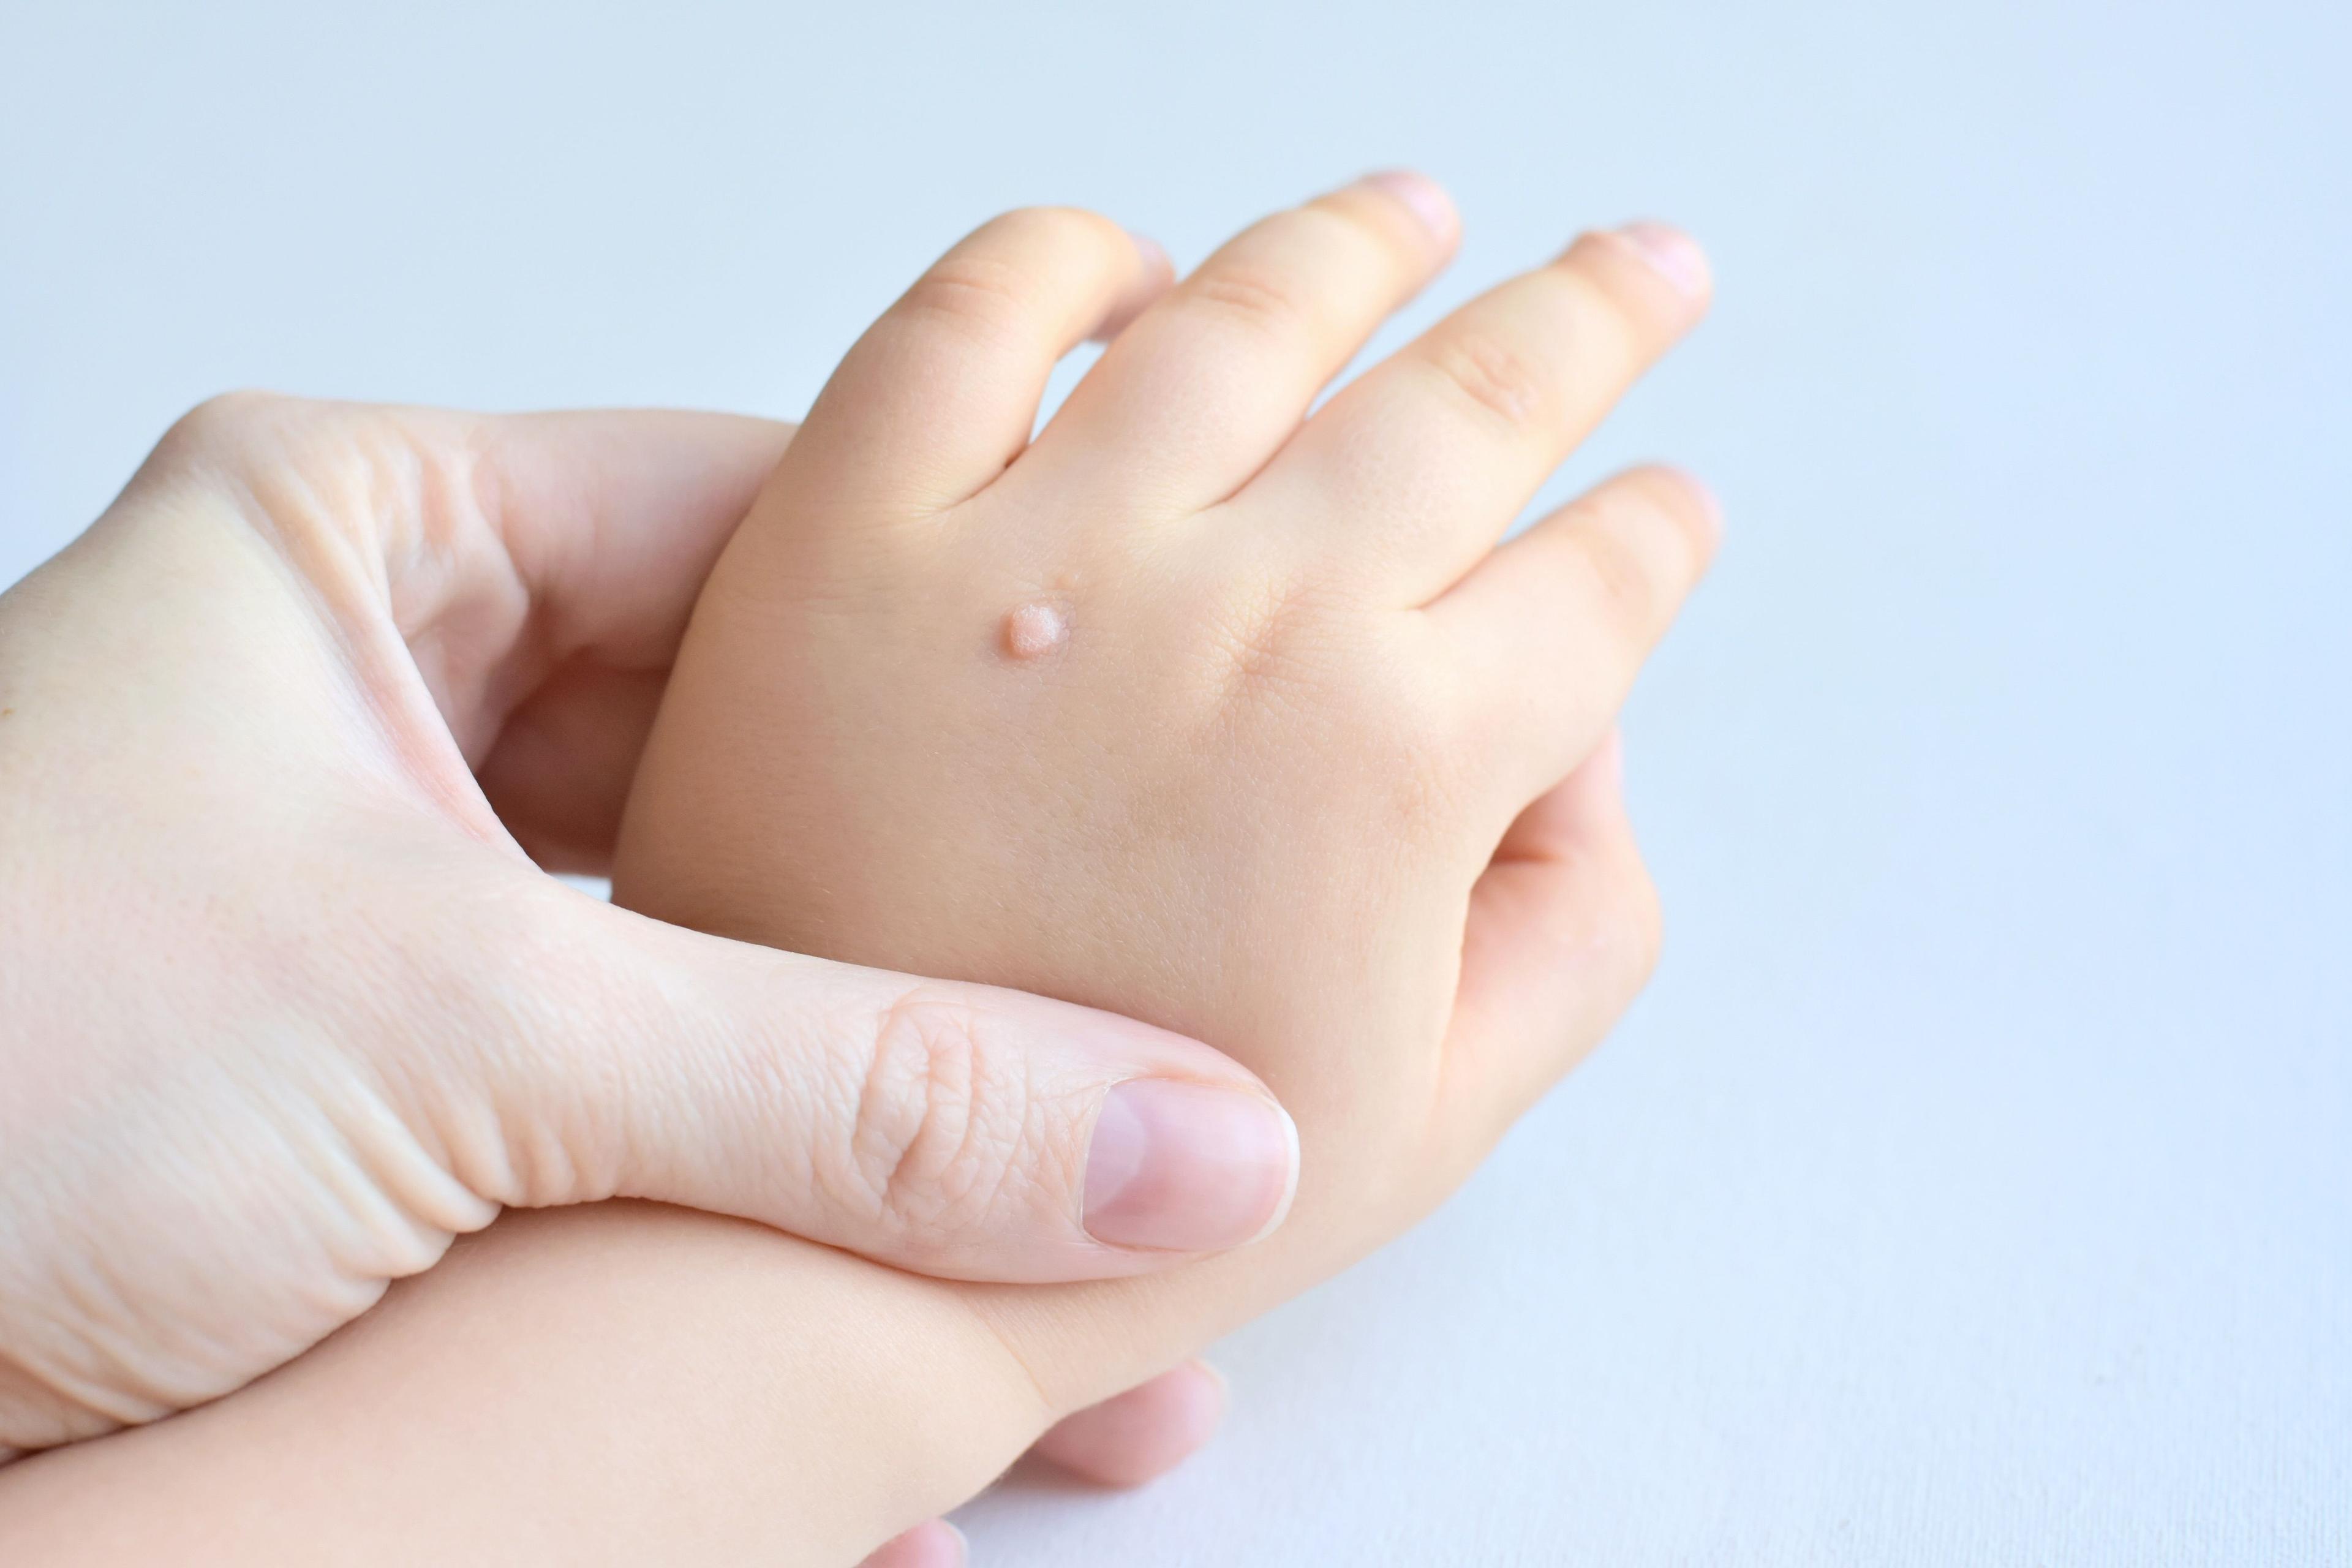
286 1004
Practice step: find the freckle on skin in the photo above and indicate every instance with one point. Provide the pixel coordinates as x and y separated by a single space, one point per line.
1033 631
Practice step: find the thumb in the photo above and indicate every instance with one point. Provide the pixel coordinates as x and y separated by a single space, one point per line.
954 1129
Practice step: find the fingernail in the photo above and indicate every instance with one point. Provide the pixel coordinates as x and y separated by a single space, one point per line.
1154 254
1222 1385
935 1543
1155 271
1704 493
1611 756
1421 196
1672 255
1182 1167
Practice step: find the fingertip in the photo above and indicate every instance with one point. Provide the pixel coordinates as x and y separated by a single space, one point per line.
1672 255
1585 808
1607 763
1155 275
934 1544
1687 499
1141 1434
1422 197
1709 504
941 395
1153 255
1215 1384
1199 1397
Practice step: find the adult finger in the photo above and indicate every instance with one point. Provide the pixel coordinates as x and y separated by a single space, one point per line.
585 1052
607 523
528 575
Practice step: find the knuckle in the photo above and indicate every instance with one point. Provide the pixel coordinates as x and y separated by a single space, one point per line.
1251 296
220 431
1048 230
993 286
302 475
1494 377
942 1119
226 415
973 293
1623 928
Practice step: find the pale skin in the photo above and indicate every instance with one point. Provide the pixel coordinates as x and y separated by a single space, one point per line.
1305 767
287 1007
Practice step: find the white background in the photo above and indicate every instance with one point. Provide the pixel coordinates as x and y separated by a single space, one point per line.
1973 1185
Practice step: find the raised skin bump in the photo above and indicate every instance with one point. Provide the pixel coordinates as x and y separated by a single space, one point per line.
1034 630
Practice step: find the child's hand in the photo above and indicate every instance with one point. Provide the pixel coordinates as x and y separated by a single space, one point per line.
1189 708
1290 776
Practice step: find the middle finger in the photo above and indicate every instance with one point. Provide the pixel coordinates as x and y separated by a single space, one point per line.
1193 396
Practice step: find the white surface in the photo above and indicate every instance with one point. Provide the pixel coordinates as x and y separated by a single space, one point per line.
1972 1186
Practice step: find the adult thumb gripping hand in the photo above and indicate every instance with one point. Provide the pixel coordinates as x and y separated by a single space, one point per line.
289 1001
